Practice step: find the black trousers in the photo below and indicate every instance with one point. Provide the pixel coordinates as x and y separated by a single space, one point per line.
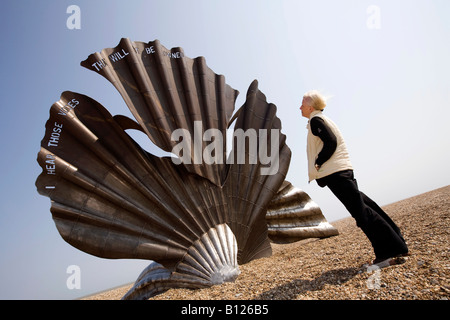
384 235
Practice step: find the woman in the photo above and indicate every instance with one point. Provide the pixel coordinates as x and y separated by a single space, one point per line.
329 164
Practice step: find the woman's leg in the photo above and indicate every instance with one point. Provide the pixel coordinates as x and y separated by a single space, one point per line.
372 204
385 240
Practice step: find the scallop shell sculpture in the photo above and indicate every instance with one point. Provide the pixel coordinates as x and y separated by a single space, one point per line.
167 91
197 220
292 216
211 260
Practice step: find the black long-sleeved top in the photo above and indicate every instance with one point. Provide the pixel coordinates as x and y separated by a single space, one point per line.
321 130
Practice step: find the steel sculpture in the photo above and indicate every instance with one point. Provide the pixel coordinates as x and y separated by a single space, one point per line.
198 214
292 216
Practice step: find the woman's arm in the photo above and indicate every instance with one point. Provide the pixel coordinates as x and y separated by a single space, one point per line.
321 130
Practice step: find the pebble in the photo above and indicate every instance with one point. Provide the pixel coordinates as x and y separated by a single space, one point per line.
334 268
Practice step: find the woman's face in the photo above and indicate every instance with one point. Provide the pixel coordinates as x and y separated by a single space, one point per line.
305 108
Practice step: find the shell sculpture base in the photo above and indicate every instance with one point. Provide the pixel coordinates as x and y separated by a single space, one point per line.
195 220
211 260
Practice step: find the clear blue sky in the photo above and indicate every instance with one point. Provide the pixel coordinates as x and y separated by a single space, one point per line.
388 71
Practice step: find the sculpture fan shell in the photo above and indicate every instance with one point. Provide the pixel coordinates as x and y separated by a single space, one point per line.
112 199
209 261
293 216
166 91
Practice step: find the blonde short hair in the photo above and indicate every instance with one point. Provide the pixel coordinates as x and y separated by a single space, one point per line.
318 101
